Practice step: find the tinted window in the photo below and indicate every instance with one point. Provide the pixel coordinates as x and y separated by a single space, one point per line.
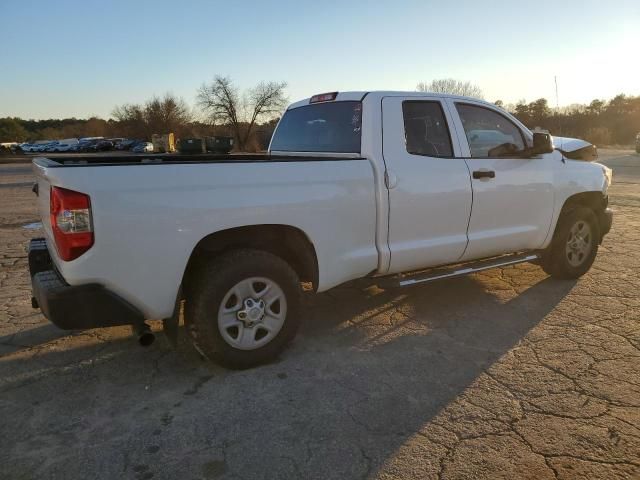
322 127
489 133
425 129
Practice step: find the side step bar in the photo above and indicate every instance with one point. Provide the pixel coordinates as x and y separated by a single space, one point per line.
407 280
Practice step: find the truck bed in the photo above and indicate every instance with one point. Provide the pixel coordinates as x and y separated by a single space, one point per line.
148 221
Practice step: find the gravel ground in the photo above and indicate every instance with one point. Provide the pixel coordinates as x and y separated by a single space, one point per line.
504 374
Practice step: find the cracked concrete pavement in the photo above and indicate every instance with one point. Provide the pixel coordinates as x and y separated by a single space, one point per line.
504 374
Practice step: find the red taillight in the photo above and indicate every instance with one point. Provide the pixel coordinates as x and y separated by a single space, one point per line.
71 222
324 97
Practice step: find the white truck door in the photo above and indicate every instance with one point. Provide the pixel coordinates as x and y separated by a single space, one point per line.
428 184
513 197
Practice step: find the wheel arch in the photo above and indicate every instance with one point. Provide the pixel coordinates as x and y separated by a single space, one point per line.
594 200
285 241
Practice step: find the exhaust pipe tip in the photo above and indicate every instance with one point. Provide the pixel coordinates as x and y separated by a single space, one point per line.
145 335
145 339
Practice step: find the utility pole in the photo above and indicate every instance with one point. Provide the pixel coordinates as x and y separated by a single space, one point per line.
555 79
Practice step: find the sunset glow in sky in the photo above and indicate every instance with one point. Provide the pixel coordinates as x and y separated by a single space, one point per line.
81 58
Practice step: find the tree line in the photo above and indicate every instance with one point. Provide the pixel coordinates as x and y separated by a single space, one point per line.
250 116
602 122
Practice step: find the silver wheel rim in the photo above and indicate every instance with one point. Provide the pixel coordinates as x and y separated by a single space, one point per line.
579 243
252 313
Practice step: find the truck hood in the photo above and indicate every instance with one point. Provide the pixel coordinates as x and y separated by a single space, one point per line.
576 149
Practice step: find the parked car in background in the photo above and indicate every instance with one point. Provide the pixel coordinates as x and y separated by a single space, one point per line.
57 146
127 143
89 145
48 148
104 146
115 141
76 148
44 147
36 147
63 147
143 147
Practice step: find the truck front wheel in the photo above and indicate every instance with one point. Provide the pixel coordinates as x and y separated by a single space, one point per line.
574 245
243 309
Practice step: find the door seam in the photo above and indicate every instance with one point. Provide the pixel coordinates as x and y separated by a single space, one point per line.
466 247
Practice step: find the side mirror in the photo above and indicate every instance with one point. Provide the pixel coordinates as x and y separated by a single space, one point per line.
542 143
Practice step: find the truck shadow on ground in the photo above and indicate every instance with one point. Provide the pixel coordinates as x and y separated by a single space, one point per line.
30 337
369 369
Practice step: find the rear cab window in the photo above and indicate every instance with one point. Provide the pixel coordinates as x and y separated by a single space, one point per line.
425 129
331 127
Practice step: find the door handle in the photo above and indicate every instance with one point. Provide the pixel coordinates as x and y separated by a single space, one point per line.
484 174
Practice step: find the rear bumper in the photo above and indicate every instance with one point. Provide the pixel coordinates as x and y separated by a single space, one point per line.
75 307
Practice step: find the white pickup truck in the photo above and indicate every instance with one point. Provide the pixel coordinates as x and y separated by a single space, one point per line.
399 187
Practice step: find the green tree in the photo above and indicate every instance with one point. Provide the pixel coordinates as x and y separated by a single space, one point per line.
12 131
521 111
168 114
539 112
596 107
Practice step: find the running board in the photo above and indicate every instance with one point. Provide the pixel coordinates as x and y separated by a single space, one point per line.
458 270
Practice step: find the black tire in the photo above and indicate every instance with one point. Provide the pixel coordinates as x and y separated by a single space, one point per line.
556 260
213 281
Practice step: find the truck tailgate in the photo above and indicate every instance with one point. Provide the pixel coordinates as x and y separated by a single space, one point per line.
43 192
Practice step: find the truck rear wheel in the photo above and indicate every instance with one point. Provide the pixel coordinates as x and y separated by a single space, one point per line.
574 245
243 309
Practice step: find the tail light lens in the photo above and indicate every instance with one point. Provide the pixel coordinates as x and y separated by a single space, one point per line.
71 222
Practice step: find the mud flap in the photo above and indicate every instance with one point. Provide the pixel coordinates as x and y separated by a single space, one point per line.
171 325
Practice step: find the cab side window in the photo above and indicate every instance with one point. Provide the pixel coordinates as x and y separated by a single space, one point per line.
489 133
425 129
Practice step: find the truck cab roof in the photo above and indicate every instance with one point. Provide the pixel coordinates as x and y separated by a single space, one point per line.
378 94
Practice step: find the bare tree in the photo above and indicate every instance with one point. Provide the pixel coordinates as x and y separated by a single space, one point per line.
131 121
451 86
157 115
222 102
167 114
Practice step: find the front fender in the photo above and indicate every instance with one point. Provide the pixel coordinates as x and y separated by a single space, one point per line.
582 183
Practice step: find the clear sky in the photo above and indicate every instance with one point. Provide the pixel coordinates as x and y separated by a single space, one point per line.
80 58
